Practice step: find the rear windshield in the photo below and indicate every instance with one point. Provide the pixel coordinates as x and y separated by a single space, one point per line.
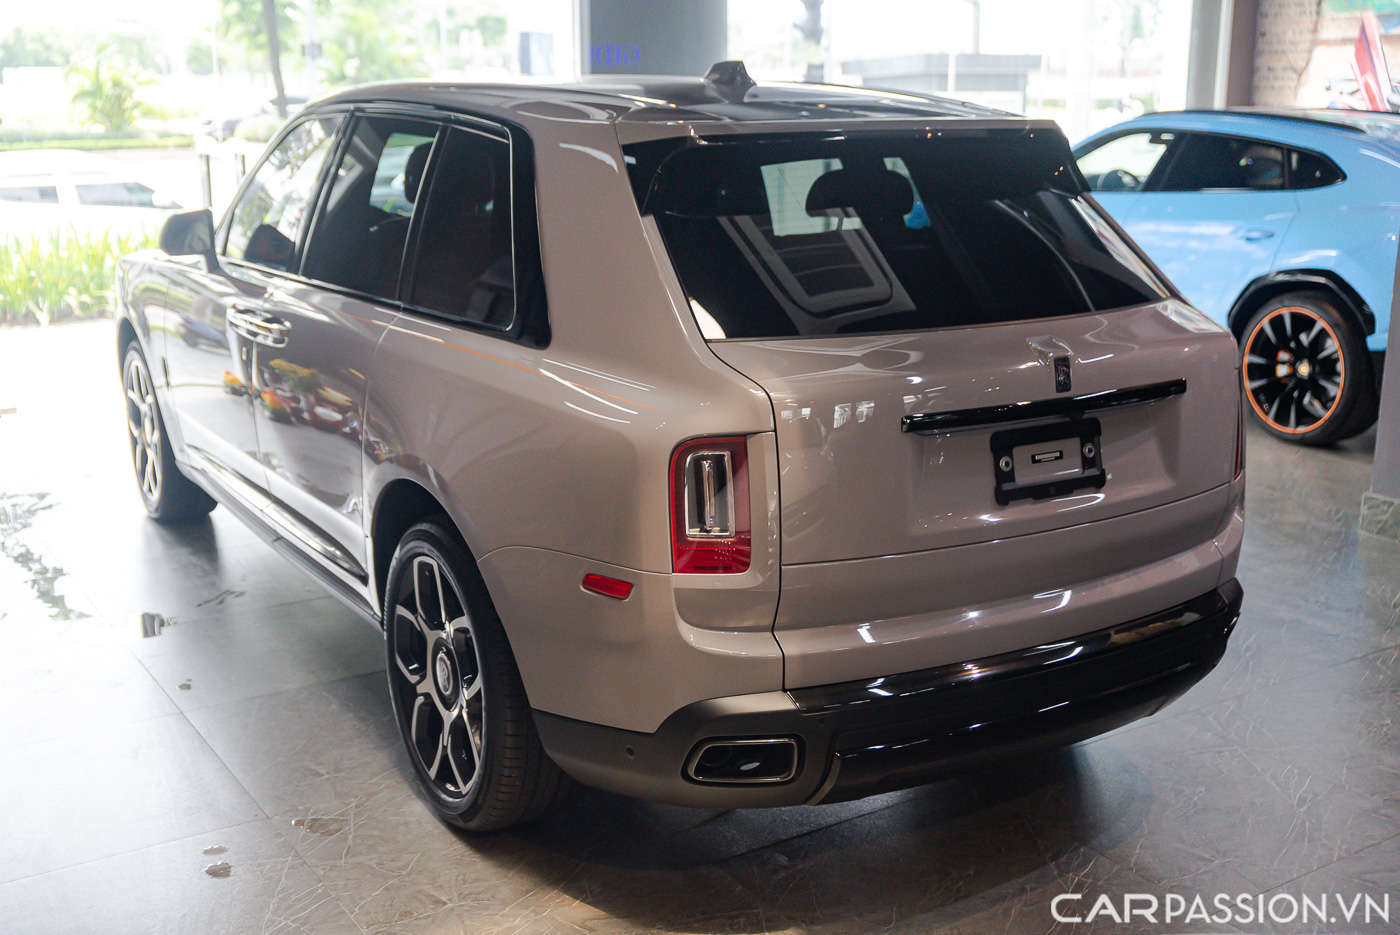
856 235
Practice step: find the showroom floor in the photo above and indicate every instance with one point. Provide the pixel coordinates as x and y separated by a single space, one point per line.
194 739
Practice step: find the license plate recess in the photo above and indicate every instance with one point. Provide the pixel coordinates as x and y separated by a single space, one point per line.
1014 449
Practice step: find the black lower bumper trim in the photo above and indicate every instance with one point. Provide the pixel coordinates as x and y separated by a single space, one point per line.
919 726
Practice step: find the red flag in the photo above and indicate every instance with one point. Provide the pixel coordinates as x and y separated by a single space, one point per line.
1369 66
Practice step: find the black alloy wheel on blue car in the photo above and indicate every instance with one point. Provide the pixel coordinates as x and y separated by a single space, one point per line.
1306 370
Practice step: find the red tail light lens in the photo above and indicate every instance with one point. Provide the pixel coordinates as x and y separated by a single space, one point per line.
710 531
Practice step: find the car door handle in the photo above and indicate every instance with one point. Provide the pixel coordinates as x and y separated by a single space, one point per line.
258 325
1256 234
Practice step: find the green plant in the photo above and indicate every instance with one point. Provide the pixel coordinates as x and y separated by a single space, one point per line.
62 274
105 92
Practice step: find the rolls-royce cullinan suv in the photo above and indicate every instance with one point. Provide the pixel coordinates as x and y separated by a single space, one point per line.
714 443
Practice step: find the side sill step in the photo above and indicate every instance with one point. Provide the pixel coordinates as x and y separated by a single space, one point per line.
334 585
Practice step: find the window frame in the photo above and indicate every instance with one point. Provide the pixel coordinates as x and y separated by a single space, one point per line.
1287 168
531 325
323 193
1152 184
1166 157
1181 146
221 233
1158 170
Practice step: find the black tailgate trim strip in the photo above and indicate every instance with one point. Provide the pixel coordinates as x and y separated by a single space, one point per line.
1069 406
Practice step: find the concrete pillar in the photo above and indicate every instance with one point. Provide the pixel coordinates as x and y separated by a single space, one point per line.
1380 507
1211 21
1079 102
1239 73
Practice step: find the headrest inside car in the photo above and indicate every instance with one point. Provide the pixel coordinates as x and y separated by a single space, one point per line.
880 194
413 170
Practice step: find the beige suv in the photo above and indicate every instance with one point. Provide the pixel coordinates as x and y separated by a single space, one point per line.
717 444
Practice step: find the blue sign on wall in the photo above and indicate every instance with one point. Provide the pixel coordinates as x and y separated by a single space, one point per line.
616 54
620 37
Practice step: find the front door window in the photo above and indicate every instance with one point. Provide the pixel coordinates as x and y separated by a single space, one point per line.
268 218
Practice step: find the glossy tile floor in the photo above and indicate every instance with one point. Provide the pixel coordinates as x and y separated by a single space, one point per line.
227 762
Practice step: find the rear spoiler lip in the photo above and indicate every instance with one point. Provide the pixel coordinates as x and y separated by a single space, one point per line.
932 423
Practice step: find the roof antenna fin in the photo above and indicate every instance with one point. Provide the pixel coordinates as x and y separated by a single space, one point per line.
730 80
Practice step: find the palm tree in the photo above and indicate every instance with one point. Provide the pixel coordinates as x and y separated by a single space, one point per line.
105 92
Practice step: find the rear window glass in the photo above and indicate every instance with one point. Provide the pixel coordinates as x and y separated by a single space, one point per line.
465 266
1309 170
775 238
33 194
117 194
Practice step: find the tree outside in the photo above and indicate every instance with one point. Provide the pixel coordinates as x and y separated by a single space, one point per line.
104 92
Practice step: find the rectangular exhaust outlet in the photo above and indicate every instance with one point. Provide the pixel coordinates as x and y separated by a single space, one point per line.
741 762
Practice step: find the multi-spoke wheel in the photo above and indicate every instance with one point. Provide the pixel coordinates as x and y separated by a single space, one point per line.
439 683
169 496
457 695
1306 371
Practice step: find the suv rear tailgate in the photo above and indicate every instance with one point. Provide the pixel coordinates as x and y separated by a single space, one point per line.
854 485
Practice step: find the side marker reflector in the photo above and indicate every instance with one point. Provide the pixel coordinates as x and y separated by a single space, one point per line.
608 587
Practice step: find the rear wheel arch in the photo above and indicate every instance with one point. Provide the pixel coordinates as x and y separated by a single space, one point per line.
1347 300
401 505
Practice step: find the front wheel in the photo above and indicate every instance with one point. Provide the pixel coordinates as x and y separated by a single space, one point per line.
169 496
457 695
1306 371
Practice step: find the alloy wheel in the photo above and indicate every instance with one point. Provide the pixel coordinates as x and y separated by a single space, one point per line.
437 677
1294 370
143 425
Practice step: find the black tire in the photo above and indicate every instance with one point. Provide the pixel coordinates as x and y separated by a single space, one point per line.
1306 370
457 694
169 496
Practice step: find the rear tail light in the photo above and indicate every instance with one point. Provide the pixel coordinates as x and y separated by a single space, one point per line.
710 531
1239 439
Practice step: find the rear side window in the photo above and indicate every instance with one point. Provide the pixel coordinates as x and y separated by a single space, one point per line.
116 194
268 218
886 233
31 194
1207 162
358 240
465 267
1309 170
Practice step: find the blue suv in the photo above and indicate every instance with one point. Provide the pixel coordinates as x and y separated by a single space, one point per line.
1280 225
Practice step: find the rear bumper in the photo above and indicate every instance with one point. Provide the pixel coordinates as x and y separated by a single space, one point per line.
876 735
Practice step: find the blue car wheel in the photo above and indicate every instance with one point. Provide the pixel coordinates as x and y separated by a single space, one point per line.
1306 371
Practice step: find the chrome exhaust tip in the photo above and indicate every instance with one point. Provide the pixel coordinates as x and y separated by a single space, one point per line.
750 760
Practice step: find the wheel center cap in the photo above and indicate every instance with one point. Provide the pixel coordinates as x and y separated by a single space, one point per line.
1304 369
442 671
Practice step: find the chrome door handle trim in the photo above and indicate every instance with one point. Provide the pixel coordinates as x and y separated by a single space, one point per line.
258 325
1256 234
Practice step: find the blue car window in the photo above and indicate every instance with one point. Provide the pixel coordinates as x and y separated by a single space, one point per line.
1124 163
1309 170
1208 162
